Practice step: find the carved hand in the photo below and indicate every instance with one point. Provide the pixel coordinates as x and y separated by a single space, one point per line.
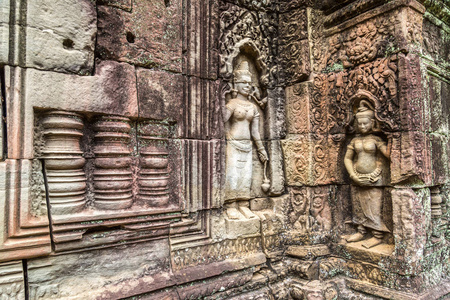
263 157
360 181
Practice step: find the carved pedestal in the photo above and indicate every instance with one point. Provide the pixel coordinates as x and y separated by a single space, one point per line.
113 178
153 174
64 163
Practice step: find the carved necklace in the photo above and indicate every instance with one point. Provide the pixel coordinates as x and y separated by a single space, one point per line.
246 106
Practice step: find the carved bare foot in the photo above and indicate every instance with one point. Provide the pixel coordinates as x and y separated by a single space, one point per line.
355 237
234 214
372 242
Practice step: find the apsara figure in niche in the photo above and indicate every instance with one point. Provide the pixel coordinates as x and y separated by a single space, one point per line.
364 163
242 129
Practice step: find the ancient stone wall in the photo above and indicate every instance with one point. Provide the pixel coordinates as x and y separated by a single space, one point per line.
225 149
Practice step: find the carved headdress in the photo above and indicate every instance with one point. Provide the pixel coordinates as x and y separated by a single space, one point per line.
365 110
242 73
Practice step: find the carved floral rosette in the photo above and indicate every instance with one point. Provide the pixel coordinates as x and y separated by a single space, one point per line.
153 176
64 163
113 177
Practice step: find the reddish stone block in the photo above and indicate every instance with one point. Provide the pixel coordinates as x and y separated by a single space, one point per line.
294 46
439 158
298 117
295 61
410 158
148 36
438 93
202 112
298 160
160 95
413 112
411 222
123 4
336 152
201 38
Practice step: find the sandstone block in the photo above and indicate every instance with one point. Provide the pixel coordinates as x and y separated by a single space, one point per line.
275 112
110 273
410 158
298 98
411 222
439 158
160 95
112 90
49 35
12 280
24 232
148 36
201 35
414 112
298 160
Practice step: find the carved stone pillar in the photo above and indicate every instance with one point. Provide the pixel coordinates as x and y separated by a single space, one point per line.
64 162
153 174
113 178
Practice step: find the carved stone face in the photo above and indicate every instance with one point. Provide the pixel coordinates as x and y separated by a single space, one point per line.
317 202
243 86
365 125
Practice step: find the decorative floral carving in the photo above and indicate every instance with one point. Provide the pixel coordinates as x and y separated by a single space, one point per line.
364 42
243 29
206 254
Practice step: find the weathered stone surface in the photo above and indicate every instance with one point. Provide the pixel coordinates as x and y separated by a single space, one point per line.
101 274
298 115
414 114
201 39
410 158
294 46
25 230
276 115
231 149
298 160
202 110
12 280
160 95
49 35
135 37
123 4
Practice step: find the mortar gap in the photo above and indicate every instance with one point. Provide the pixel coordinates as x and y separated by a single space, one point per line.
47 200
3 131
25 278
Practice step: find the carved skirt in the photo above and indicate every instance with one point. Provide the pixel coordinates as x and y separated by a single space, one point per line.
238 169
367 203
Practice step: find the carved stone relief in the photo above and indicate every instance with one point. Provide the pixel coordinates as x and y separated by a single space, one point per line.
364 161
163 175
97 173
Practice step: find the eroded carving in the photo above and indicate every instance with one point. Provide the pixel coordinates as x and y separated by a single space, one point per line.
242 129
365 164
154 174
113 178
64 162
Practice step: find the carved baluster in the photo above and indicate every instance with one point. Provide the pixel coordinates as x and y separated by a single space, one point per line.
153 175
436 210
64 163
113 178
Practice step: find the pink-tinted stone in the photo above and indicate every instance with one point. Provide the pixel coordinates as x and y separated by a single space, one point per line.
148 36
